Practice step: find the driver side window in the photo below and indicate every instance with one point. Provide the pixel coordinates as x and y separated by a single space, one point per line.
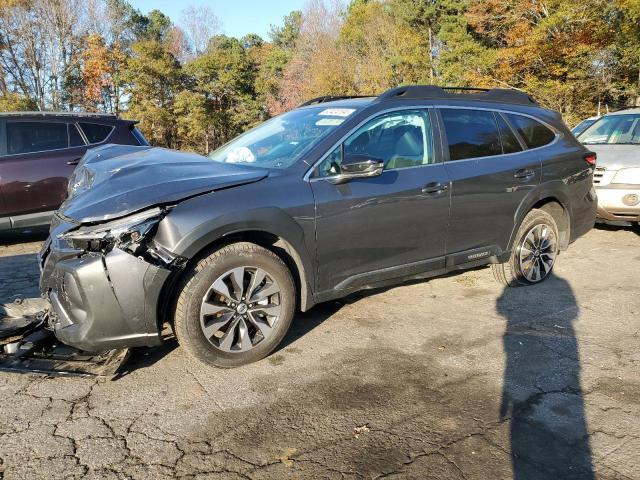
400 139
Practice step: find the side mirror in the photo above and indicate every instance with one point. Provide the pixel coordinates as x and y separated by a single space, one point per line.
358 166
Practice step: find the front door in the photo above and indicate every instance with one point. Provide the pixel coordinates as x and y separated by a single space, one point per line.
5 221
40 157
392 225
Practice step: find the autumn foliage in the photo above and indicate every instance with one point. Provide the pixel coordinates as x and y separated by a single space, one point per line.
194 88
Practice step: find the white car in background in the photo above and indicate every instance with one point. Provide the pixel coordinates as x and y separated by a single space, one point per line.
615 137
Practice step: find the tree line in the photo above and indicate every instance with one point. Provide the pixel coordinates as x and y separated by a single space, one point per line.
192 87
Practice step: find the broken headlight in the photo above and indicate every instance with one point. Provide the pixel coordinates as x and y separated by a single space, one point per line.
127 233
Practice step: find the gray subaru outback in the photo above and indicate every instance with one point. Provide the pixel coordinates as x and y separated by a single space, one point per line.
338 195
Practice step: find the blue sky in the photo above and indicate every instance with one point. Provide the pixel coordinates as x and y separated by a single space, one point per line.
238 17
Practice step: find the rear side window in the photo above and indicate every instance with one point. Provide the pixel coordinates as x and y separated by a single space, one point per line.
510 143
533 132
95 132
28 137
75 140
471 133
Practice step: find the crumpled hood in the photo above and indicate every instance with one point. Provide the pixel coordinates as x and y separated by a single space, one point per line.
615 157
126 179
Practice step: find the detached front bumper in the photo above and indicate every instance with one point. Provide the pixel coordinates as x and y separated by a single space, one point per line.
101 301
620 203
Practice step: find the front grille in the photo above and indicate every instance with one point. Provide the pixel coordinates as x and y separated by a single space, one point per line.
598 174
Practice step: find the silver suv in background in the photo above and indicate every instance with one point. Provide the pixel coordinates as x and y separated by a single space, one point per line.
616 140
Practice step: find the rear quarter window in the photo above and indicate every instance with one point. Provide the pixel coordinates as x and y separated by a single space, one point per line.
534 133
96 132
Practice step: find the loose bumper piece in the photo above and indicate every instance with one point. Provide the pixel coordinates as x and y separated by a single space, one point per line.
28 346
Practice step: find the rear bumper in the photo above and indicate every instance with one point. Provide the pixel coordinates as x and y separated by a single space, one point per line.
101 301
583 215
616 204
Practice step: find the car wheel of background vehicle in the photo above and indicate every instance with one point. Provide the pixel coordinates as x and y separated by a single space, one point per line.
235 305
533 252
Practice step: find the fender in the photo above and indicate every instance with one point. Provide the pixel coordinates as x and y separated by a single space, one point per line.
270 220
552 190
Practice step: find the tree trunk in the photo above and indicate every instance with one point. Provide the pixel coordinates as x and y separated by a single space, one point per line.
431 55
638 93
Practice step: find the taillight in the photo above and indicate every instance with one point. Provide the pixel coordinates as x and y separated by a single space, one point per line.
591 158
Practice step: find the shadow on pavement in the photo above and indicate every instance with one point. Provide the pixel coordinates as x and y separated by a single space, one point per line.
303 323
614 228
541 394
141 358
15 237
19 275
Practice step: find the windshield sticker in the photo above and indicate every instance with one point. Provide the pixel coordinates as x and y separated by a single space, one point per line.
337 112
329 122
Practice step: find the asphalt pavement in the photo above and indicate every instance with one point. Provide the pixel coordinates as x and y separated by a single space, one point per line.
450 378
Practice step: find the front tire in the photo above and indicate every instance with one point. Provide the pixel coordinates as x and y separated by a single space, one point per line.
533 253
235 306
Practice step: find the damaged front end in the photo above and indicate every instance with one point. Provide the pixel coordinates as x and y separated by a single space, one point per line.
130 234
104 281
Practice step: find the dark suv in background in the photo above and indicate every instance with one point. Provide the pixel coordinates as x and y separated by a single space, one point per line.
38 152
338 195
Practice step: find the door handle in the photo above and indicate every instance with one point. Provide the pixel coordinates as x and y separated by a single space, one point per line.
524 174
434 187
75 161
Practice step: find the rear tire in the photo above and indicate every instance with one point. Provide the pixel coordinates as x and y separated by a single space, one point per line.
235 306
533 252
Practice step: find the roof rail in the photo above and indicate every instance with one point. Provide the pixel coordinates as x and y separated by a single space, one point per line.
330 98
433 92
45 113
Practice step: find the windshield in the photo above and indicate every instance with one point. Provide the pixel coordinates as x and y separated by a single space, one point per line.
281 141
613 129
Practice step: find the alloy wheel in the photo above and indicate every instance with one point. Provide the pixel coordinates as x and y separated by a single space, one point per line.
240 309
537 252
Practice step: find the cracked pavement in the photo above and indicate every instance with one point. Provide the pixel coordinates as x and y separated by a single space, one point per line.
452 377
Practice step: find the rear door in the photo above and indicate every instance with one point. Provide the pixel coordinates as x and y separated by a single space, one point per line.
491 171
5 222
39 158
